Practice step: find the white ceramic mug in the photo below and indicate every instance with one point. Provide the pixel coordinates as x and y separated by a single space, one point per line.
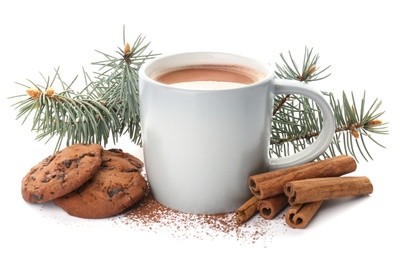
201 145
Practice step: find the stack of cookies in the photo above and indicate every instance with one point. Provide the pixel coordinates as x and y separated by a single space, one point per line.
87 181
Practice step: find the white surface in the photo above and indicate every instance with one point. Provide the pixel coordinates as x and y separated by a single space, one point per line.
365 42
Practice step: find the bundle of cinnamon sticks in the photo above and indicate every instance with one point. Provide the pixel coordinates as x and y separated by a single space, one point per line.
304 188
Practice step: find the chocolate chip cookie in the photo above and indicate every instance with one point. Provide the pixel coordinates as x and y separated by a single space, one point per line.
117 185
61 173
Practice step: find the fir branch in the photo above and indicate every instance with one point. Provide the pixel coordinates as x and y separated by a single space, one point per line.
299 123
309 72
356 125
67 114
106 108
297 120
120 76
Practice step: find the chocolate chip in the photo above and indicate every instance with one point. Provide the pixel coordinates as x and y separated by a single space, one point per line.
36 198
67 163
131 170
104 163
48 177
45 180
113 192
113 150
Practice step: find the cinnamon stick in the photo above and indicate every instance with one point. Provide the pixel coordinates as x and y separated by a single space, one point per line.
247 210
269 184
270 207
318 189
300 215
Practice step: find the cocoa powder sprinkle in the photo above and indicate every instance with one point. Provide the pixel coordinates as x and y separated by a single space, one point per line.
148 215
151 216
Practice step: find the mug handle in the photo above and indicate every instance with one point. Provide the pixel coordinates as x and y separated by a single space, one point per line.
325 137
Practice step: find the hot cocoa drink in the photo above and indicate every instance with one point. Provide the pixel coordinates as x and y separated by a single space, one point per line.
210 77
205 120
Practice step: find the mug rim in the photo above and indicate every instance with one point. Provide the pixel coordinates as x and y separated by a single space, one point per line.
260 66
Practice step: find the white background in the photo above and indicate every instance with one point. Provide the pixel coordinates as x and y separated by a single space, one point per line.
364 41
